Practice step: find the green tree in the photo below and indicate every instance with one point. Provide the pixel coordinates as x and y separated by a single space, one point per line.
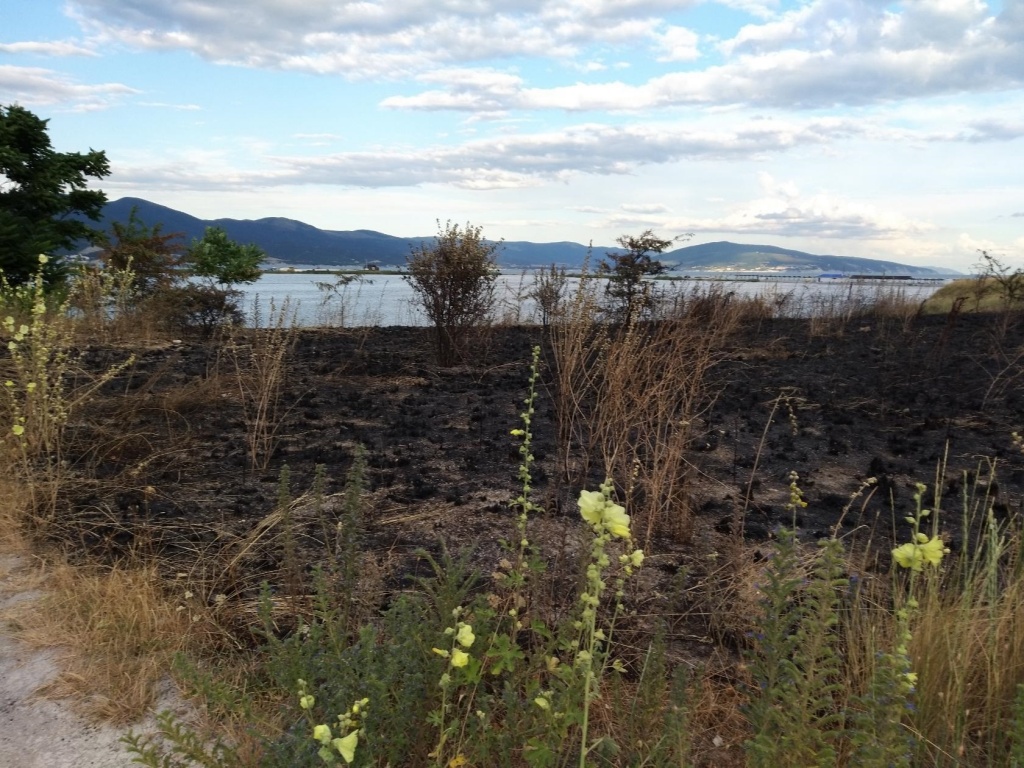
626 272
221 260
43 196
454 284
152 256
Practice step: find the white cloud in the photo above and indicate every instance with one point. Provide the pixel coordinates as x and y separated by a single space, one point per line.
827 53
52 48
644 208
678 44
783 211
504 161
34 86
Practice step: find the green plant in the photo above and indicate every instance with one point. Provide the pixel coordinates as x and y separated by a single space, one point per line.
453 280
796 708
186 747
626 273
40 193
39 387
153 258
221 260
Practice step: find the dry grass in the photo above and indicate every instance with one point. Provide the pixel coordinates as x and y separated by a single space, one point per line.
117 632
630 397
969 295
261 364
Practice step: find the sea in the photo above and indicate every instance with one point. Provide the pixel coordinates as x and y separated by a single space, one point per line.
314 299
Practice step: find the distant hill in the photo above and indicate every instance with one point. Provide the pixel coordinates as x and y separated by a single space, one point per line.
739 257
293 242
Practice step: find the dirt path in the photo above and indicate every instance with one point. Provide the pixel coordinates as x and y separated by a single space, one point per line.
36 732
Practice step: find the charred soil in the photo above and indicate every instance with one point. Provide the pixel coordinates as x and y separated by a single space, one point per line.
161 465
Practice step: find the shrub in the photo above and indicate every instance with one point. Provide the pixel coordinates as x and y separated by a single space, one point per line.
201 308
626 272
454 284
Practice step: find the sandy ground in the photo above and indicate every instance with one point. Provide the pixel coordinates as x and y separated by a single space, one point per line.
36 732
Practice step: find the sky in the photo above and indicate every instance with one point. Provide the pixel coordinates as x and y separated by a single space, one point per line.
849 127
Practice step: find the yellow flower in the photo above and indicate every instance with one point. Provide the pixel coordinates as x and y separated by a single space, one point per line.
637 558
600 512
459 658
18 430
908 556
458 761
592 506
322 733
933 551
543 703
465 636
43 258
616 520
347 746
440 652
306 702
915 555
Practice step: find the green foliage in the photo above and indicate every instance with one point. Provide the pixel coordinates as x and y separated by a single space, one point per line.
454 284
41 194
187 749
196 308
223 261
151 256
797 710
626 272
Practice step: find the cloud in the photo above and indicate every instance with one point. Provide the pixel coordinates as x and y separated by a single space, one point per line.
54 48
825 54
367 39
1019 215
33 86
505 161
783 211
678 44
645 208
981 131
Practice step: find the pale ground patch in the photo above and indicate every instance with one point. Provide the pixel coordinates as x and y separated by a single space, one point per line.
37 732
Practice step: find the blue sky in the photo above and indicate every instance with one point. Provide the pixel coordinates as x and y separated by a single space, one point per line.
853 127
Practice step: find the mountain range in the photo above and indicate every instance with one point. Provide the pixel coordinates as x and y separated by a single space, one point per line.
290 242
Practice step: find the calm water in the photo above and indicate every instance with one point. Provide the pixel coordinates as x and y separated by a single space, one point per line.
389 300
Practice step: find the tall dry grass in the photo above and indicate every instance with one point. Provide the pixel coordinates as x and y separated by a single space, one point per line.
629 398
260 358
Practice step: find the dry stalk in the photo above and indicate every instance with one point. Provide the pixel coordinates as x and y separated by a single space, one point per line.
261 362
631 395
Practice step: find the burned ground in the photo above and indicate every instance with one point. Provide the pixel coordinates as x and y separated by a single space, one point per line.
160 462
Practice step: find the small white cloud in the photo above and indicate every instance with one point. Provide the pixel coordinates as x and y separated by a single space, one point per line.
644 208
51 48
678 44
783 211
33 86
